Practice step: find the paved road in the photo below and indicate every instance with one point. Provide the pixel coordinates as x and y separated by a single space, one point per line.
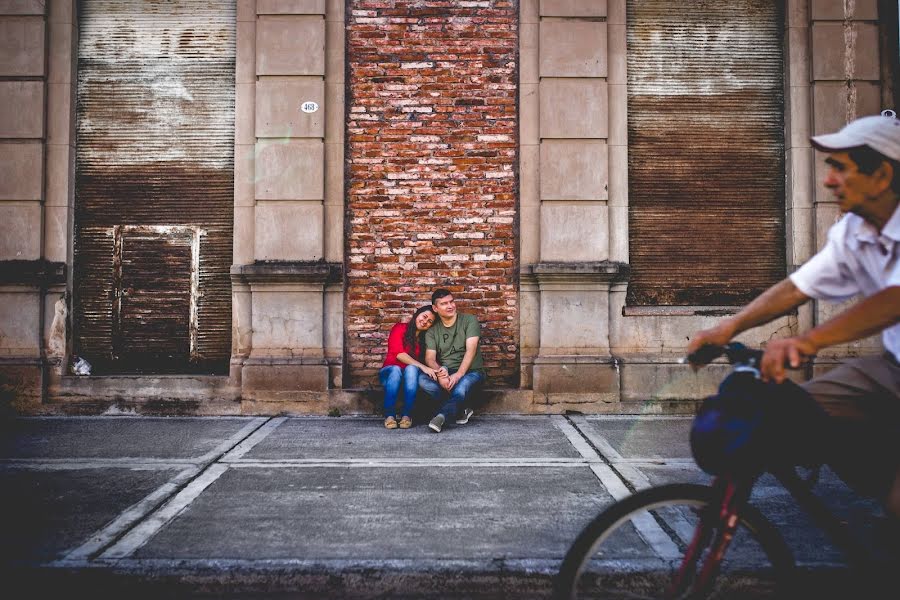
335 507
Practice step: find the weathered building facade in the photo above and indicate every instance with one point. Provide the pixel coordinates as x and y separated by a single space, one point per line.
223 206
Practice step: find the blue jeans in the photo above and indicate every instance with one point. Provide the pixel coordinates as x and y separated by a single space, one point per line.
454 400
391 379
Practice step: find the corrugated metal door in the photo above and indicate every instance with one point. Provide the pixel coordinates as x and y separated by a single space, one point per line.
154 185
706 150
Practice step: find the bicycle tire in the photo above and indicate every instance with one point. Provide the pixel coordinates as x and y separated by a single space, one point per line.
633 578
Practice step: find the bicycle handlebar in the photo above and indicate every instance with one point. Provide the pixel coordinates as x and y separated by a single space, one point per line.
735 352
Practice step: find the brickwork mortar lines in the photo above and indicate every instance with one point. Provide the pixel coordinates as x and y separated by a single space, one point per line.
432 185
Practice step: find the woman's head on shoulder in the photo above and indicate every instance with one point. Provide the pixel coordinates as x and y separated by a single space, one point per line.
423 318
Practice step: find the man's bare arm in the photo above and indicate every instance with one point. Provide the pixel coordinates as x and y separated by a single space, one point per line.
867 317
431 359
776 301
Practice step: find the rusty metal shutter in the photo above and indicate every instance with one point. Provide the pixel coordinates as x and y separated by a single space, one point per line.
154 185
706 150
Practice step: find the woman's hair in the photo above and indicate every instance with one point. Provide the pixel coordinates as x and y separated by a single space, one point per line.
409 340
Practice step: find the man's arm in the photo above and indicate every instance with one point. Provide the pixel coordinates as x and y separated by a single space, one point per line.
779 299
439 371
468 357
867 317
431 358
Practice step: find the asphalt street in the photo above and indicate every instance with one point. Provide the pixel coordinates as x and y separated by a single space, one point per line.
313 507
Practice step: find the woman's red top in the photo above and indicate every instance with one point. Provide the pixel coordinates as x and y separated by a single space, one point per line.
395 346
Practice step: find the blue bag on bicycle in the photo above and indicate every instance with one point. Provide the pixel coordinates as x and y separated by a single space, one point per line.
750 426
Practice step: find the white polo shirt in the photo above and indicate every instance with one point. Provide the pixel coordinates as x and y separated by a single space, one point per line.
855 260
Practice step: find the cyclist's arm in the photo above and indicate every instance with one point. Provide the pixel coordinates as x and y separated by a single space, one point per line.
779 299
867 317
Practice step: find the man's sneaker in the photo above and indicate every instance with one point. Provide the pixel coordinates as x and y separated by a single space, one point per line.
437 423
463 418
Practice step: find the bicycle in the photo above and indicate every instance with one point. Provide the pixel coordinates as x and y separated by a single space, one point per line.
708 540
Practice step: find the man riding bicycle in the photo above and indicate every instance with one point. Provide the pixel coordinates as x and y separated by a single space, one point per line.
860 258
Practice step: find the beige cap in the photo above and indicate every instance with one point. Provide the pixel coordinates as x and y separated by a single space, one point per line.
880 133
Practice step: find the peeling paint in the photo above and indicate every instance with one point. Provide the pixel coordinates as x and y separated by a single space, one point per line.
154 185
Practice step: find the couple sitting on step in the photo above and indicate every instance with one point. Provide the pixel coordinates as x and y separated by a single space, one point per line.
438 353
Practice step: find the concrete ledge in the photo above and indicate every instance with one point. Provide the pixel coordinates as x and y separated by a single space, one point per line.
175 395
266 380
168 395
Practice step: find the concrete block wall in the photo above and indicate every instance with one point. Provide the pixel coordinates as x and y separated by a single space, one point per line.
23 67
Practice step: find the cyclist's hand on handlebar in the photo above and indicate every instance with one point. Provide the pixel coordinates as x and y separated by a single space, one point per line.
715 336
788 352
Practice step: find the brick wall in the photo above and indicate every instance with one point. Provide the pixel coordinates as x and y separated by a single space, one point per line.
432 181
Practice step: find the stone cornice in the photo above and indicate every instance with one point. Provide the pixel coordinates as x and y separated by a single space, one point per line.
579 273
40 273
316 272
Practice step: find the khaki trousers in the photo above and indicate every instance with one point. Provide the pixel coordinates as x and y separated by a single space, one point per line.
862 439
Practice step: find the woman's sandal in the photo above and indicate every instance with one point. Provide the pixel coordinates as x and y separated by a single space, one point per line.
405 423
390 423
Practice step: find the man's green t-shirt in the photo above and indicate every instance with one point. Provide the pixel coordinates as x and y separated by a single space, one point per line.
450 342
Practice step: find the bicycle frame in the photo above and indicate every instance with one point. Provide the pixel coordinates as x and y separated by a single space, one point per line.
734 495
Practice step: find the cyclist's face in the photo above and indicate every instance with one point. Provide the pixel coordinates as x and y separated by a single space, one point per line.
851 187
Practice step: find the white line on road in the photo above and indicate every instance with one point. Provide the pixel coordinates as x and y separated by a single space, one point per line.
583 448
644 523
234 439
259 435
132 515
596 439
139 536
411 462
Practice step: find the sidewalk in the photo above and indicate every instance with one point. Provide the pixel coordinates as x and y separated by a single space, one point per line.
333 507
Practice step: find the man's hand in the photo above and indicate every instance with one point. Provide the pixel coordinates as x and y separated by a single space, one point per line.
454 379
788 351
719 335
443 378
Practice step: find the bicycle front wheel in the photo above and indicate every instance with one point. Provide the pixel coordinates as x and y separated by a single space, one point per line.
637 549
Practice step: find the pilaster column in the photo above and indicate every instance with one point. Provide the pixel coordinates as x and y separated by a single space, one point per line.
574 363
845 75
288 197
289 328
567 134
35 156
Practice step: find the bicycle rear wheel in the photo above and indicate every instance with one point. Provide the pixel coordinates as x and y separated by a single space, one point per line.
636 547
